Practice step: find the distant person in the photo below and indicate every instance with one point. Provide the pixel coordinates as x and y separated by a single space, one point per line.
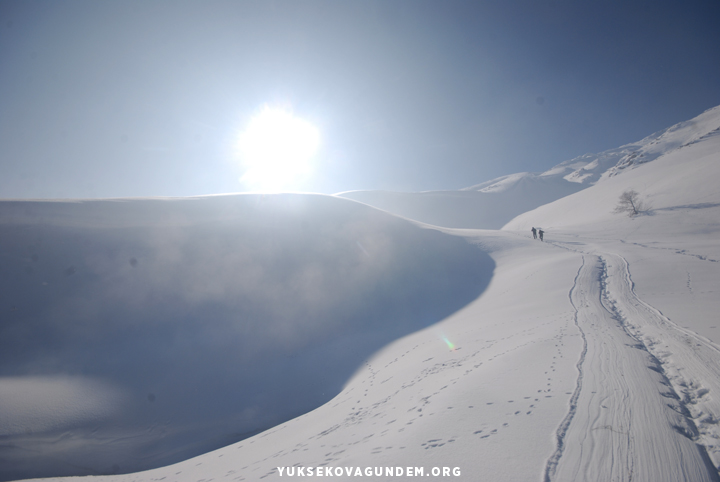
534 231
541 232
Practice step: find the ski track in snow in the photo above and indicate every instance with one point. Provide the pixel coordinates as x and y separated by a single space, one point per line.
683 252
678 351
552 463
631 377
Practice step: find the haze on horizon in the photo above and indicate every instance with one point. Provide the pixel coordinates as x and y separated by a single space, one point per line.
131 98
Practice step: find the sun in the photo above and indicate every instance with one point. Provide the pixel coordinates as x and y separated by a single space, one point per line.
277 150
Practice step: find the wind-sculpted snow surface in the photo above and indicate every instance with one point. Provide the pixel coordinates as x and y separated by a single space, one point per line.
137 333
560 371
488 383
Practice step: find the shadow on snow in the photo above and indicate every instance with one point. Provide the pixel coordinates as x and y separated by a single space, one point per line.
138 333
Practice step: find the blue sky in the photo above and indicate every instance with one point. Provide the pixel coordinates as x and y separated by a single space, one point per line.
148 98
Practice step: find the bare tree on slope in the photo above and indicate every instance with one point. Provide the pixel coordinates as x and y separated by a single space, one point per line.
630 203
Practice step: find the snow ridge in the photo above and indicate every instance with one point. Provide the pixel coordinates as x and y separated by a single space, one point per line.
668 140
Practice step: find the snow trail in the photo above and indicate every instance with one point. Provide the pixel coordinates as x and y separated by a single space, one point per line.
552 462
625 422
690 362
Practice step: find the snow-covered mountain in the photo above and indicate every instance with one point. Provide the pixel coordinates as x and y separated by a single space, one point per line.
492 204
594 355
590 168
653 170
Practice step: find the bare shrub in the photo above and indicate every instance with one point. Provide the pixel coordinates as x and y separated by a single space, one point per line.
630 204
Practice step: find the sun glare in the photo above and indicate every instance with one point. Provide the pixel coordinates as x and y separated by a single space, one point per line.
277 150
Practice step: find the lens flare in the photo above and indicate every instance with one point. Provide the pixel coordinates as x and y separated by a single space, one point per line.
450 344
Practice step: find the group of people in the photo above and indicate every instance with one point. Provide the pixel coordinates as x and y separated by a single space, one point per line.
537 232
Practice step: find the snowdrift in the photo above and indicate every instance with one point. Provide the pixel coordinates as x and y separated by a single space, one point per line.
137 333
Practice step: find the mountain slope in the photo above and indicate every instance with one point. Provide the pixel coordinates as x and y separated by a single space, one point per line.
552 373
592 356
492 204
683 174
489 209
137 333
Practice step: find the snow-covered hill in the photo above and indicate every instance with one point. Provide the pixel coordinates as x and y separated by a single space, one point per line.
683 176
594 355
492 204
138 333
490 207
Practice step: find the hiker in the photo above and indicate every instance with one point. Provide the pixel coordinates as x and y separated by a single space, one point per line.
541 232
534 231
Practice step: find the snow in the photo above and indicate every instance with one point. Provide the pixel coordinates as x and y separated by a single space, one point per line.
489 207
594 355
183 325
492 204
